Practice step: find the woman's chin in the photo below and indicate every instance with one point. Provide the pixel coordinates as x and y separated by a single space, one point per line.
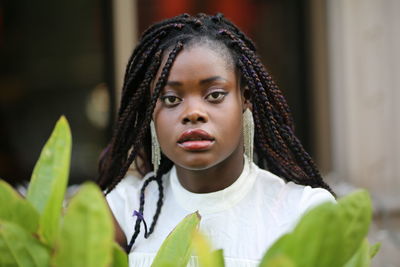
196 162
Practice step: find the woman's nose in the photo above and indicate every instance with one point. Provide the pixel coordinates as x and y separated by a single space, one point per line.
194 114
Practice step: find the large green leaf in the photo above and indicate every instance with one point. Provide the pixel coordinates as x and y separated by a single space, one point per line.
49 179
280 261
314 246
120 259
206 257
313 239
278 250
357 213
13 208
20 249
176 249
86 235
219 257
361 258
322 237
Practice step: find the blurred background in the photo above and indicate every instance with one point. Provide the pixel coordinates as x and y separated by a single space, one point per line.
337 62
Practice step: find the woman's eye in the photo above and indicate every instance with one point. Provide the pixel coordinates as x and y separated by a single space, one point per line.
216 96
170 100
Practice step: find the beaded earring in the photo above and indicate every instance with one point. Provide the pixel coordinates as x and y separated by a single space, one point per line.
248 135
155 148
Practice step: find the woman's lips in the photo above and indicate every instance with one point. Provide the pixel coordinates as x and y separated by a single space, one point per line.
195 140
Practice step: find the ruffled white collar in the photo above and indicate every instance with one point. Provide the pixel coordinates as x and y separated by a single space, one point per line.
217 201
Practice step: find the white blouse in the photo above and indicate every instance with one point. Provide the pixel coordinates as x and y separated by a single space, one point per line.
243 219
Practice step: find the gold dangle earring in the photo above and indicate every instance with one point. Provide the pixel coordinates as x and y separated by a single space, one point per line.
155 148
248 135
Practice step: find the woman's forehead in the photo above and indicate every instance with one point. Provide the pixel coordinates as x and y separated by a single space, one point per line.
218 48
200 56
200 61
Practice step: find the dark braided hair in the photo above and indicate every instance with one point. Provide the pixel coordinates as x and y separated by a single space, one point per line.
276 146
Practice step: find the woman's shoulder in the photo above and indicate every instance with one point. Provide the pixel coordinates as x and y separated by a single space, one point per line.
129 185
126 190
303 197
124 198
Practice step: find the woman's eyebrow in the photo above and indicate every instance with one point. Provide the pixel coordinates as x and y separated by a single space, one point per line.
173 83
201 82
212 79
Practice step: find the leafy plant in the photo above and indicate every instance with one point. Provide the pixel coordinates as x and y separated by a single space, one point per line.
178 242
328 235
33 231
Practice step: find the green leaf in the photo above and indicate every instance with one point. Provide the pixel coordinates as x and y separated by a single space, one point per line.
357 213
176 248
219 257
361 258
312 241
49 179
374 249
120 259
328 235
15 209
278 249
203 250
19 248
280 261
86 235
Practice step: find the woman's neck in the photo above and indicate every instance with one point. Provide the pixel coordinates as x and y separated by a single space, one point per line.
212 179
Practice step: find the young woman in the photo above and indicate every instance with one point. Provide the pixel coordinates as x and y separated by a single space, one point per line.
194 93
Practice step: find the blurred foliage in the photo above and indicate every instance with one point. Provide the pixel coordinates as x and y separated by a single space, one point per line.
329 235
33 231
37 232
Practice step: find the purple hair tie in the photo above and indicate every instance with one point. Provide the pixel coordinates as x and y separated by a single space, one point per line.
141 218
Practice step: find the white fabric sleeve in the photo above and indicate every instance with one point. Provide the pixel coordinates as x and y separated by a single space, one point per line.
123 199
116 202
312 197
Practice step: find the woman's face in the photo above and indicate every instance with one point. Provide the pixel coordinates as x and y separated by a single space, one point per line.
198 117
